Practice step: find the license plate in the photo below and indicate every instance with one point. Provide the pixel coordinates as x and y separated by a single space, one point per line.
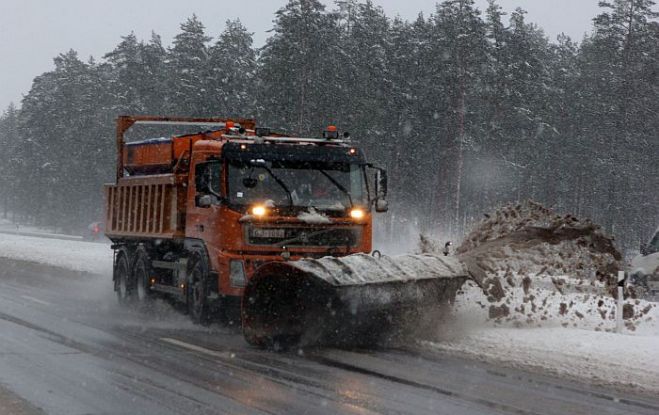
268 233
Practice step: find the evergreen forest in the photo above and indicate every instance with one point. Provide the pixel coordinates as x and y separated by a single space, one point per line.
467 109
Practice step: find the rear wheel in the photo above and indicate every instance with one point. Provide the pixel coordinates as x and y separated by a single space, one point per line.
197 293
253 339
123 283
141 275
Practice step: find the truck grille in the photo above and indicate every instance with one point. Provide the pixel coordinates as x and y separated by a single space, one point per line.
292 236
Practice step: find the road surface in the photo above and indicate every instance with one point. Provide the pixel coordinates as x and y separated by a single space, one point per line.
67 348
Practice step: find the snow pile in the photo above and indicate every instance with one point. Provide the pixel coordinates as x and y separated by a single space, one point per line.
312 216
542 298
526 246
69 254
535 306
428 245
530 239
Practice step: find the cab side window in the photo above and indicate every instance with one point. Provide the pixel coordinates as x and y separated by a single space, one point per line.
208 177
208 183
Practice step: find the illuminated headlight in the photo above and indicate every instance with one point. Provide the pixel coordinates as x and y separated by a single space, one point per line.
237 273
357 213
259 211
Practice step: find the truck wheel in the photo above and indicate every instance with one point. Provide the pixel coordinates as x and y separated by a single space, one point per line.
123 281
141 272
197 292
254 340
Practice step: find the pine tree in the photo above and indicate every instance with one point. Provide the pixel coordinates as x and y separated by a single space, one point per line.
568 188
138 76
128 75
365 77
187 70
154 87
496 76
620 78
61 154
232 78
296 68
459 37
9 140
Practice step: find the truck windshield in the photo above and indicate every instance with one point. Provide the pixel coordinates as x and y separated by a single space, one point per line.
329 186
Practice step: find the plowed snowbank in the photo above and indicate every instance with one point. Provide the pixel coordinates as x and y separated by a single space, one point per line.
546 301
74 255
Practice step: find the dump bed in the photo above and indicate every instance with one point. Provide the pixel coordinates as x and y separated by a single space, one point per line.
145 206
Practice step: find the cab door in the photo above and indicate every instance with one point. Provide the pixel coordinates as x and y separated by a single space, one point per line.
205 194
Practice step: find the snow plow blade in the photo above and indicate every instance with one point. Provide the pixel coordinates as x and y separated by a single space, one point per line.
353 300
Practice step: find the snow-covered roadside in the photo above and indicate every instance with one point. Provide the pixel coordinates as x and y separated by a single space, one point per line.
578 342
75 255
628 361
9 227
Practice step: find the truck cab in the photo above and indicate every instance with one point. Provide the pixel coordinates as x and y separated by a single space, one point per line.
254 202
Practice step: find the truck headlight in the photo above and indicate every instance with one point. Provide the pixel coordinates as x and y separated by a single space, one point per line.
357 213
259 211
237 273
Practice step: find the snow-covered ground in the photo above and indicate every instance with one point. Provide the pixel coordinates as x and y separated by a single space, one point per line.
70 254
572 335
7 226
568 334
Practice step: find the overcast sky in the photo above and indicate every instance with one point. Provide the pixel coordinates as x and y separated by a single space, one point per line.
32 32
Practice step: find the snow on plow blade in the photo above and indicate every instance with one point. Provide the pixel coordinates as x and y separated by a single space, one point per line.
351 300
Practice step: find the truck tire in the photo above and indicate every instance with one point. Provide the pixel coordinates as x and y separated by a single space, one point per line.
197 290
123 282
141 276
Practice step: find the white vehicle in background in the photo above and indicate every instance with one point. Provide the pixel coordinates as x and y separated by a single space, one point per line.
644 270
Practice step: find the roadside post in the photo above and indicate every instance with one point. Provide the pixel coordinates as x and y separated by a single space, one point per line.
620 302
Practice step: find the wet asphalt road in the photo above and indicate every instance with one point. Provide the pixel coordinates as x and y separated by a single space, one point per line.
67 348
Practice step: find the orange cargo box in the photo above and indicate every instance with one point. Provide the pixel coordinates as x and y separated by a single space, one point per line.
157 155
160 155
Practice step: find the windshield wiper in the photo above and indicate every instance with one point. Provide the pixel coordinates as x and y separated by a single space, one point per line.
277 179
338 185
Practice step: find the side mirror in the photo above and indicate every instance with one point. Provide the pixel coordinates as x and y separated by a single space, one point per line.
381 204
380 184
205 201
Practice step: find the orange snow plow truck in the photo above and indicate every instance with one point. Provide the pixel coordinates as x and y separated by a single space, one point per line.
280 228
